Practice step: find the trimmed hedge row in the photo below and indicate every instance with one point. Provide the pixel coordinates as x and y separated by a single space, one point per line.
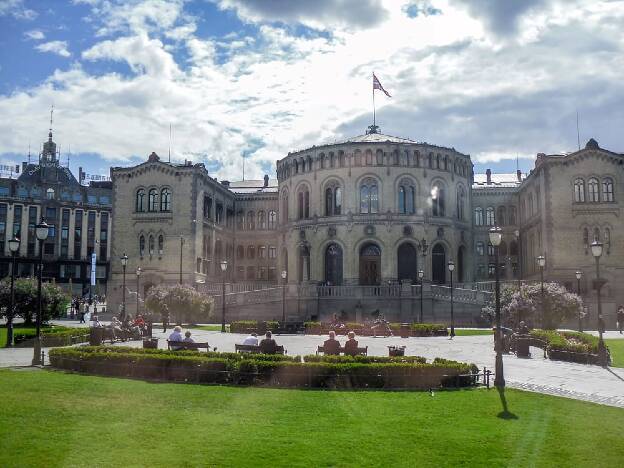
416 329
51 337
257 370
567 345
253 326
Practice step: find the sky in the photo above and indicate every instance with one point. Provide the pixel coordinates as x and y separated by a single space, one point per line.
255 79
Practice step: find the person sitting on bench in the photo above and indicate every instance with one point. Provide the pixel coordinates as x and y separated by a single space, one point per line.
187 337
351 345
176 335
251 340
268 344
332 345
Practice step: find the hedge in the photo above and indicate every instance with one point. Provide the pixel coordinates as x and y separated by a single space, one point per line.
416 329
51 336
567 345
258 370
364 359
255 326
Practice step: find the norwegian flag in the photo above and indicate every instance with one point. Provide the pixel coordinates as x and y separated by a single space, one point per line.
377 85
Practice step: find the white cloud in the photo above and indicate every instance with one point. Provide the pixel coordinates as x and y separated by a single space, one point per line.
55 47
452 85
17 10
35 35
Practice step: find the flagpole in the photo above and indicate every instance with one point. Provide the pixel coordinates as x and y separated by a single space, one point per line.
374 117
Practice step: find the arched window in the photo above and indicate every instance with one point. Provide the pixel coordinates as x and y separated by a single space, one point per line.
333 199
592 190
161 244
607 240
261 220
262 251
165 199
151 245
597 234
272 219
303 200
490 249
480 248
512 215
607 189
461 198
284 211
240 252
478 216
438 201
369 158
579 190
501 215
251 252
369 196
152 200
142 245
407 196
140 200
240 221
251 220
490 219
341 159
50 194
585 238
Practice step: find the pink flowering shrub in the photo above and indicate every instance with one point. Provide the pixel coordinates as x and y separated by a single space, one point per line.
182 303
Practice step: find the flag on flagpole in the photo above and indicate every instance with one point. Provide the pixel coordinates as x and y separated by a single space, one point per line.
377 85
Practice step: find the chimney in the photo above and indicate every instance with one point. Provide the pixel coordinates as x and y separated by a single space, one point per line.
24 166
488 174
519 175
266 180
80 175
225 183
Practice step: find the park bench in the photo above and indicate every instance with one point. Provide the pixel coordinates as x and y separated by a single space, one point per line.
242 348
359 352
184 346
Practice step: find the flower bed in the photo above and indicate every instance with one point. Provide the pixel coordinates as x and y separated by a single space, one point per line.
283 371
361 329
567 345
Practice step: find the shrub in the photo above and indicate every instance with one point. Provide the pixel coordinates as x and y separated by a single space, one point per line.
574 342
54 300
364 359
181 303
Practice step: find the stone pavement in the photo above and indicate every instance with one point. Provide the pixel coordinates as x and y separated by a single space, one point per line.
578 381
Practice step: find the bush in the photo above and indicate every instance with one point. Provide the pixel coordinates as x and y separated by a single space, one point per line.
54 300
189 366
416 329
364 359
568 345
253 326
182 303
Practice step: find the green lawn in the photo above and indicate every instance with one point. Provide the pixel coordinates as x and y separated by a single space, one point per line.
616 348
17 326
55 419
210 327
483 331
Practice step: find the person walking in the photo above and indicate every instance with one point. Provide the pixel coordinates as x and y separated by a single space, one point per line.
82 312
165 321
620 318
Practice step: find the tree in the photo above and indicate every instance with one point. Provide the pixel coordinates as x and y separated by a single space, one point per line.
525 303
54 300
182 303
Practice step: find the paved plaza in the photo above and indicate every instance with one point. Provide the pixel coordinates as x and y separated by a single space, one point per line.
578 381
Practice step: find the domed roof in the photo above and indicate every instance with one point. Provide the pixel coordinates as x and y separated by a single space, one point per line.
375 138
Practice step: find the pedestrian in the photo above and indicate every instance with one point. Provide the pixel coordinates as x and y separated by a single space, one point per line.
620 318
82 312
165 321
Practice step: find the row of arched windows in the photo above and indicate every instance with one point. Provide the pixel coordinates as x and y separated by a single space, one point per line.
304 164
261 251
151 244
153 200
595 191
502 248
260 220
500 216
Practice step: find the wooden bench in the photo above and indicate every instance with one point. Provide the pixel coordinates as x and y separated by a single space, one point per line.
242 348
359 352
184 346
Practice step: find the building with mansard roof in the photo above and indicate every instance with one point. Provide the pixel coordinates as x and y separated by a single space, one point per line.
79 216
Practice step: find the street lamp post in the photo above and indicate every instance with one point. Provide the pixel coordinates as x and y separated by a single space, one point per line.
14 245
541 261
124 263
41 231
579 274
284 274
181 251
496 237
224 266
451 267
421 275
596 248
138 276
517 234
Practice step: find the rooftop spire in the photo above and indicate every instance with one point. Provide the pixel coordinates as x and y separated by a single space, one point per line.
51 116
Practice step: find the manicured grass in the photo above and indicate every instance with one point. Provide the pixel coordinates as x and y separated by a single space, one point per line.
616 348
210 327
483 331
17 326
55 419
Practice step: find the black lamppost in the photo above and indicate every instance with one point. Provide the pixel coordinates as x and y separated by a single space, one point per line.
138 276
496 237
517 233
421 275
181 247
224 266
451 267
596 248
579 274
541 261
124 263
284 274
14 245
41 231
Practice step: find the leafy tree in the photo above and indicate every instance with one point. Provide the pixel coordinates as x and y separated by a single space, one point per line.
54 300
525 303
182 303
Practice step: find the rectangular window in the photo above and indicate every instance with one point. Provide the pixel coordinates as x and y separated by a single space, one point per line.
77 234
480 250
3 219
17 221
50 216
272 252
